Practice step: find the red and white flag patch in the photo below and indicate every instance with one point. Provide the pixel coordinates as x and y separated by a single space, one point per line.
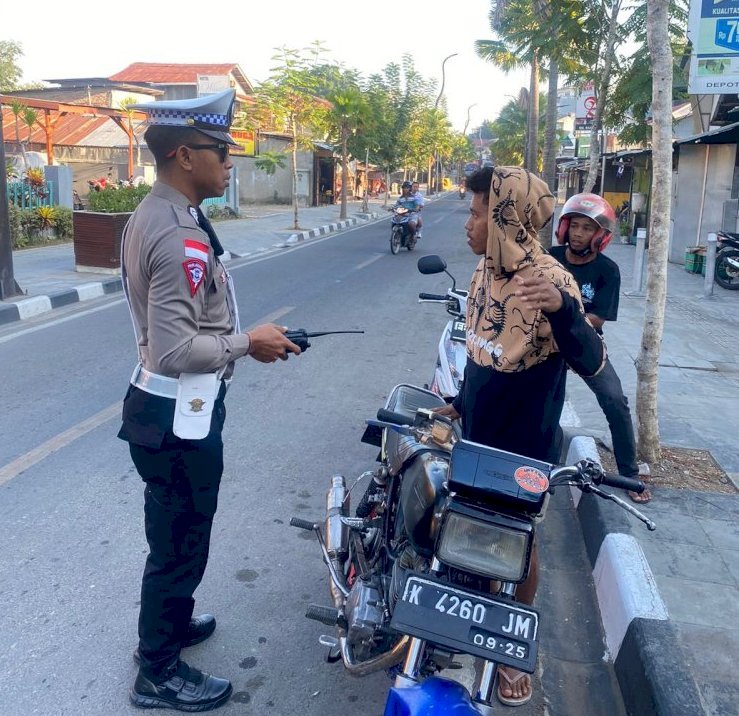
196 250
195 272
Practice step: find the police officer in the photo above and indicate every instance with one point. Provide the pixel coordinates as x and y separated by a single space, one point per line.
186 321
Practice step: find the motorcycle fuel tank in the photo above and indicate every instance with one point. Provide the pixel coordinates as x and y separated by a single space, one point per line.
421 492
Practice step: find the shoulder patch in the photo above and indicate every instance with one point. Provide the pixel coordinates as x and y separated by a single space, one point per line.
195 272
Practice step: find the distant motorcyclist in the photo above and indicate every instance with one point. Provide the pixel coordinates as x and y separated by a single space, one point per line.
416 193
407 201
462 188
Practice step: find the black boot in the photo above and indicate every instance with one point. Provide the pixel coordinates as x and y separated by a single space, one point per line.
182 688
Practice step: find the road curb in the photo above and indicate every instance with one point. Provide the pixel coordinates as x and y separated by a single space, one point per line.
641 641
26 308
330 228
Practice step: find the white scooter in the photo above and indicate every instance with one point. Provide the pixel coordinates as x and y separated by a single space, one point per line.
452 354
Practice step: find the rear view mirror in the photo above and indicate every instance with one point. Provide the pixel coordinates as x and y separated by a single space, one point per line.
431 264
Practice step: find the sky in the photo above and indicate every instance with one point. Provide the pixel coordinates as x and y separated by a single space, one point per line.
64 40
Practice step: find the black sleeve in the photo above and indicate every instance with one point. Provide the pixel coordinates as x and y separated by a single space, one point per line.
605 301
458 398
580 345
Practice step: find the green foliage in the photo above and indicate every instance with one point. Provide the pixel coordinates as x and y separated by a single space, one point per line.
10 71
509 132
117 199
64 226
29 227
269 162
630 104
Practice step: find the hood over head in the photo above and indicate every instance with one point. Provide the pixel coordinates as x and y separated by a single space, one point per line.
520 204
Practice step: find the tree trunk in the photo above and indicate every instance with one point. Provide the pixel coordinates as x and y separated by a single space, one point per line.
531 161
550 131
344 170
294 155
647 366
601 89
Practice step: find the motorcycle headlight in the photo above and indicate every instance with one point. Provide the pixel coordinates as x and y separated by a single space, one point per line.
495 548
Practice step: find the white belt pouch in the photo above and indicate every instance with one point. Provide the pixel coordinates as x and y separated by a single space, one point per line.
196 396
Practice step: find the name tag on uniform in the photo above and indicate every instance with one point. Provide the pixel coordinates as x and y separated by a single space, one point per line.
196 396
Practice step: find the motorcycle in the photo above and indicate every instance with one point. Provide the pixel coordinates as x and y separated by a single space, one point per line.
452 355
462 191
400 233
427 567
727 261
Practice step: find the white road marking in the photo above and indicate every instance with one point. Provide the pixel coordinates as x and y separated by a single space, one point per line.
59 321
273 316
22 463
366 263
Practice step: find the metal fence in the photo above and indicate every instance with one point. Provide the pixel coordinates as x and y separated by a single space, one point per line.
25 196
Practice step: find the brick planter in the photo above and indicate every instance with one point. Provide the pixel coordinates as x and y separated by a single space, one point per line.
97 241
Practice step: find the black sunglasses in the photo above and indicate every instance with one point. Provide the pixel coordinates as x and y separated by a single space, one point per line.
221 148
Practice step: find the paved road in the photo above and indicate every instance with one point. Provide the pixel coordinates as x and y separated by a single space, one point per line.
70 501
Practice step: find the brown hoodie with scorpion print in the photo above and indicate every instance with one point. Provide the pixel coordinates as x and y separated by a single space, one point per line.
514 385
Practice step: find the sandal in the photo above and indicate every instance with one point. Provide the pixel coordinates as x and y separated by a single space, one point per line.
642 497
510 681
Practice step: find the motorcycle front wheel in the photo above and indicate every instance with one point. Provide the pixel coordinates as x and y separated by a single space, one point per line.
727 269
395 240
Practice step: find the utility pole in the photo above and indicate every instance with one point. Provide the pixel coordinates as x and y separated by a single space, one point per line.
8 286
437 159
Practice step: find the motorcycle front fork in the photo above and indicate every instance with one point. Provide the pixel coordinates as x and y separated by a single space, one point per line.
483 698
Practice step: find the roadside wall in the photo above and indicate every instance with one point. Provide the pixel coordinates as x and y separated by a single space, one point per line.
689 227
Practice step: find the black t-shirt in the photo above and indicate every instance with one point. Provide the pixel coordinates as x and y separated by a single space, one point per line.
599 281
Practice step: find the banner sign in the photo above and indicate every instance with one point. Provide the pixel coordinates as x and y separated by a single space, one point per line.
713 28
212 84
247 143
585 107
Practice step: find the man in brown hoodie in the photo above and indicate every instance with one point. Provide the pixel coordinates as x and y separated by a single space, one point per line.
525 323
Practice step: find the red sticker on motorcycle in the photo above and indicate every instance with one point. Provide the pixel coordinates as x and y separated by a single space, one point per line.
531 479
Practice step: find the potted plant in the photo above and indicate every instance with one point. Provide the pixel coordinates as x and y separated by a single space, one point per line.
98 231
623 230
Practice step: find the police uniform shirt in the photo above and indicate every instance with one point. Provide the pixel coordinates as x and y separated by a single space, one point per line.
177 289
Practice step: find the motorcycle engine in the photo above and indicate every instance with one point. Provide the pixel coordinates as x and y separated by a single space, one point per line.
364 617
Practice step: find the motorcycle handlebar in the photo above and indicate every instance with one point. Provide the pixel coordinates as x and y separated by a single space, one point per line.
431 297
388 416
624 483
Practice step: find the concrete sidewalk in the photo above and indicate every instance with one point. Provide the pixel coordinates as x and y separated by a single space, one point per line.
669 599
49 280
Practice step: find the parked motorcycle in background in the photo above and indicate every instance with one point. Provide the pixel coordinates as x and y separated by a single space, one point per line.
452 354
427 567
401 235
727 260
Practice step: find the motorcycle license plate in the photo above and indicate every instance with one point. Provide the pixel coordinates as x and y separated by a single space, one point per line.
489 628
458 332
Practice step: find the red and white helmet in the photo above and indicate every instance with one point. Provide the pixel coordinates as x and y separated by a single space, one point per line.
595 207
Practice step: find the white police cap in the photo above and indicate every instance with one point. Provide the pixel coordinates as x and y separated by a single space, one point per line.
211 115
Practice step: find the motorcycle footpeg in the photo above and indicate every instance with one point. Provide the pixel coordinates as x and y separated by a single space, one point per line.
330 616
302 524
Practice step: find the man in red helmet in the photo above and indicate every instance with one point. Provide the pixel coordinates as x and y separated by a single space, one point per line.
585 228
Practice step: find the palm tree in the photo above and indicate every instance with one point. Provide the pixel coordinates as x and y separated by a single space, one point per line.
513 21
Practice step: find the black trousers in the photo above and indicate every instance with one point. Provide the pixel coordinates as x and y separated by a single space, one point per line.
180 500
614 404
